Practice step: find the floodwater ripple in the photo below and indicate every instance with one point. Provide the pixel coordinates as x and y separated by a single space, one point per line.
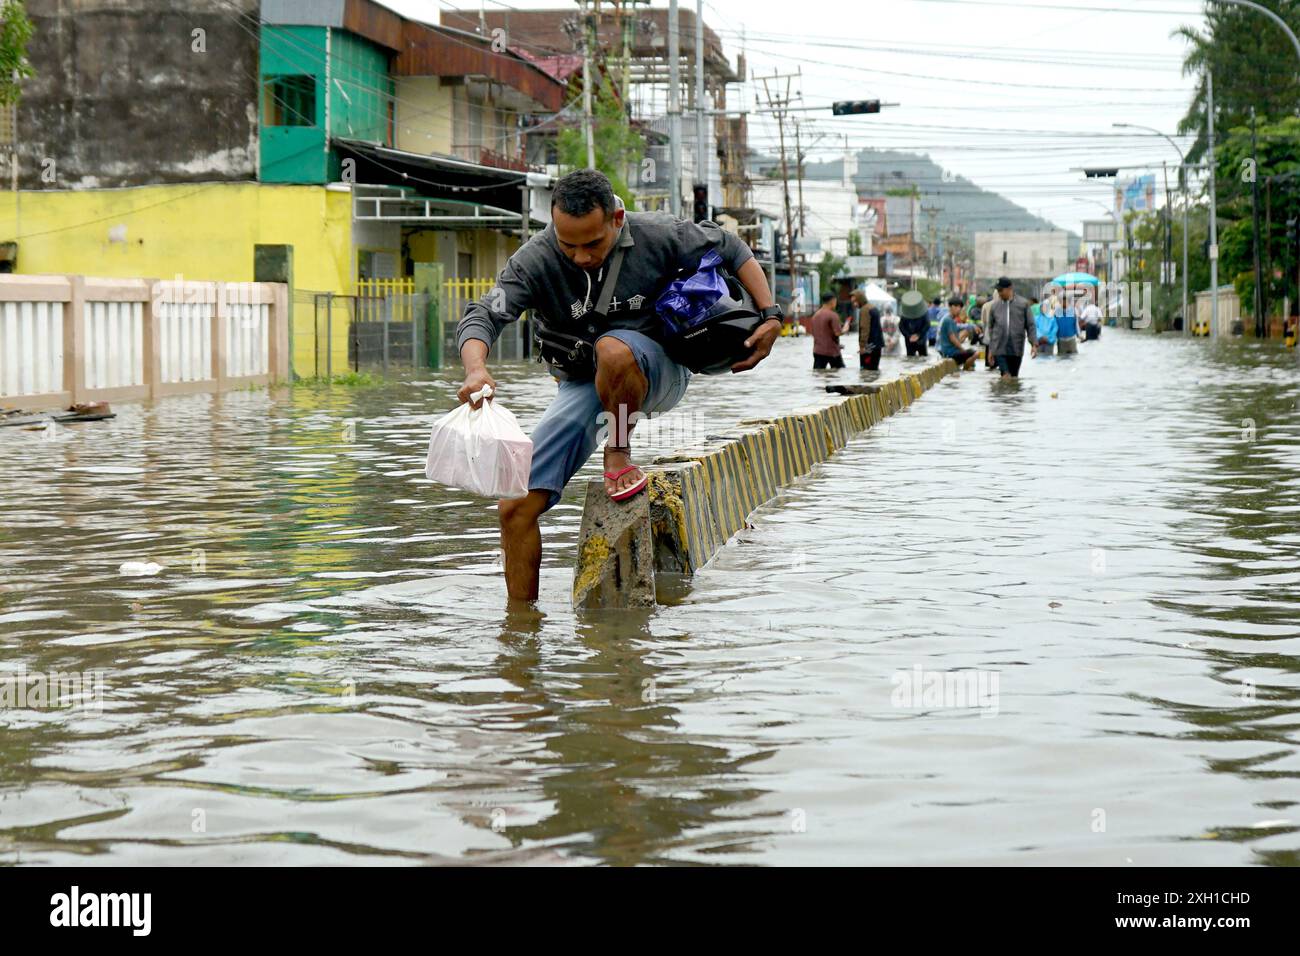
321 669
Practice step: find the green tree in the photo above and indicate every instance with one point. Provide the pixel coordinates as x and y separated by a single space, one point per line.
1254 65
1147 233
855 242
619 148
15 31
929 288
1275 163
829 269
1253 62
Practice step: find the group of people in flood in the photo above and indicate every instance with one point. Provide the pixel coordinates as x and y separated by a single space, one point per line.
1005 324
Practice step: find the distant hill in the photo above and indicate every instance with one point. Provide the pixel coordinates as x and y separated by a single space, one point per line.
962 204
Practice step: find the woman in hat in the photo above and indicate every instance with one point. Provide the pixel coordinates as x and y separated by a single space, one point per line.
914 322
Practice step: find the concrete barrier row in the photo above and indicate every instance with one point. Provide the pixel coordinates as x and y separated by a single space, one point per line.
700 496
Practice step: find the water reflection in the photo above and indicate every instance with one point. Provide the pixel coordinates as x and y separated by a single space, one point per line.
325 670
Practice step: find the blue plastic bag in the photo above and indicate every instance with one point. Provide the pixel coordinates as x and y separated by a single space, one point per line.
686 301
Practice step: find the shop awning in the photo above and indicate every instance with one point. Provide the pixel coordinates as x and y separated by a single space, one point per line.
431 188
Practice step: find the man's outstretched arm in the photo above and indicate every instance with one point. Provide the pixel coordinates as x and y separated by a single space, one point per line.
473 356
754 280
482 323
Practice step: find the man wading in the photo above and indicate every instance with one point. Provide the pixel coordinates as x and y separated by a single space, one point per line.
560 274
1010 326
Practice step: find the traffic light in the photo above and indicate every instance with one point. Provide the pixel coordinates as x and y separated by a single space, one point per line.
1101 172
701 205
851 107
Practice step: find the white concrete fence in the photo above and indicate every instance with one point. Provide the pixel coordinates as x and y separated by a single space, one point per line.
71 338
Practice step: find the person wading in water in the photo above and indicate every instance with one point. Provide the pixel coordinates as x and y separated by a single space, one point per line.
621 368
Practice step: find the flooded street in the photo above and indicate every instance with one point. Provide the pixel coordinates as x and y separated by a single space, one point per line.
322 670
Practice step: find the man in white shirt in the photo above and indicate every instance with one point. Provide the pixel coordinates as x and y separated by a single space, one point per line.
1091 318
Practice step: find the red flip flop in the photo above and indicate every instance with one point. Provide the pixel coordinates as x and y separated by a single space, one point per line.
626 493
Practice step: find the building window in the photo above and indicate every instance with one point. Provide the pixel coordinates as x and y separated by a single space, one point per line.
290 100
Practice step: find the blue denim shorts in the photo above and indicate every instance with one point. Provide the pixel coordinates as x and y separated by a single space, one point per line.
566 435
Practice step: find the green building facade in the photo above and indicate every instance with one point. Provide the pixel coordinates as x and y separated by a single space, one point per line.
318 82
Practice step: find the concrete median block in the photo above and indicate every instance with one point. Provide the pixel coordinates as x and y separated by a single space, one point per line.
615 552
700 496
683 523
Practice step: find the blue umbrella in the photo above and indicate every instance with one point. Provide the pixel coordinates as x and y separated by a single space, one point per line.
1076 278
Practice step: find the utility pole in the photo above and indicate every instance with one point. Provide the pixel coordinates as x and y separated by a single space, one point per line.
587 131
1214 225
1183 180
1261 321
799 159
1183 188
798 162
913 213
778 106
952 283
931 212
1166 235
701 140
674 113
627 26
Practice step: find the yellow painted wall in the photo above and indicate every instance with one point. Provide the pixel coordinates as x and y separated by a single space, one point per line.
200 231
424 114
489 248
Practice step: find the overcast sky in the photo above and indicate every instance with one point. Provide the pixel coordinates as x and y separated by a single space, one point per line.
1008 94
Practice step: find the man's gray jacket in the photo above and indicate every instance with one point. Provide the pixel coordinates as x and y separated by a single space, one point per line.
1011 324
540 277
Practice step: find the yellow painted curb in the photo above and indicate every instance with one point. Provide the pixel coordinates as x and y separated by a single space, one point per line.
699 497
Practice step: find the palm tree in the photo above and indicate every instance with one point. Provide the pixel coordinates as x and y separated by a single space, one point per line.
1253 65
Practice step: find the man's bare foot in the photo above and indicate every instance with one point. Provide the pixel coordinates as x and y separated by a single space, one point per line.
616 459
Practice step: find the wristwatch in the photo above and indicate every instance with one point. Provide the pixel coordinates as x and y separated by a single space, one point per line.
771 312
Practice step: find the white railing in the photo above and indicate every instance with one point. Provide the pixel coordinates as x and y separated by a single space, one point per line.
185 340
31 348
66 339
247 344
114 344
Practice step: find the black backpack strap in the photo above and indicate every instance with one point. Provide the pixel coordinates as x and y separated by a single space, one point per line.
611 278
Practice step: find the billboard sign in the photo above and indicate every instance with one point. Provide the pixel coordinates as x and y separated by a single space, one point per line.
866 267
1099 230
1137 194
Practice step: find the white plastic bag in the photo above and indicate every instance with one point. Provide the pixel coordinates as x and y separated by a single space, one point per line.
481 450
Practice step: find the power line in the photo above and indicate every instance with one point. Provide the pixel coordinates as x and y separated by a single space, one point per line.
1021 57
1022 6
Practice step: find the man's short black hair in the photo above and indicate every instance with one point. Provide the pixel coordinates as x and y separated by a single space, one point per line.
827 296
936 301
955 300
583 190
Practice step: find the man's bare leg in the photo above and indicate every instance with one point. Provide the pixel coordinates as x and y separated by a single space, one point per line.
619 381
622 387
521 540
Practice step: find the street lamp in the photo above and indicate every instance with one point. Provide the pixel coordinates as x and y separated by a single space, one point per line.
1182 173
1105 245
